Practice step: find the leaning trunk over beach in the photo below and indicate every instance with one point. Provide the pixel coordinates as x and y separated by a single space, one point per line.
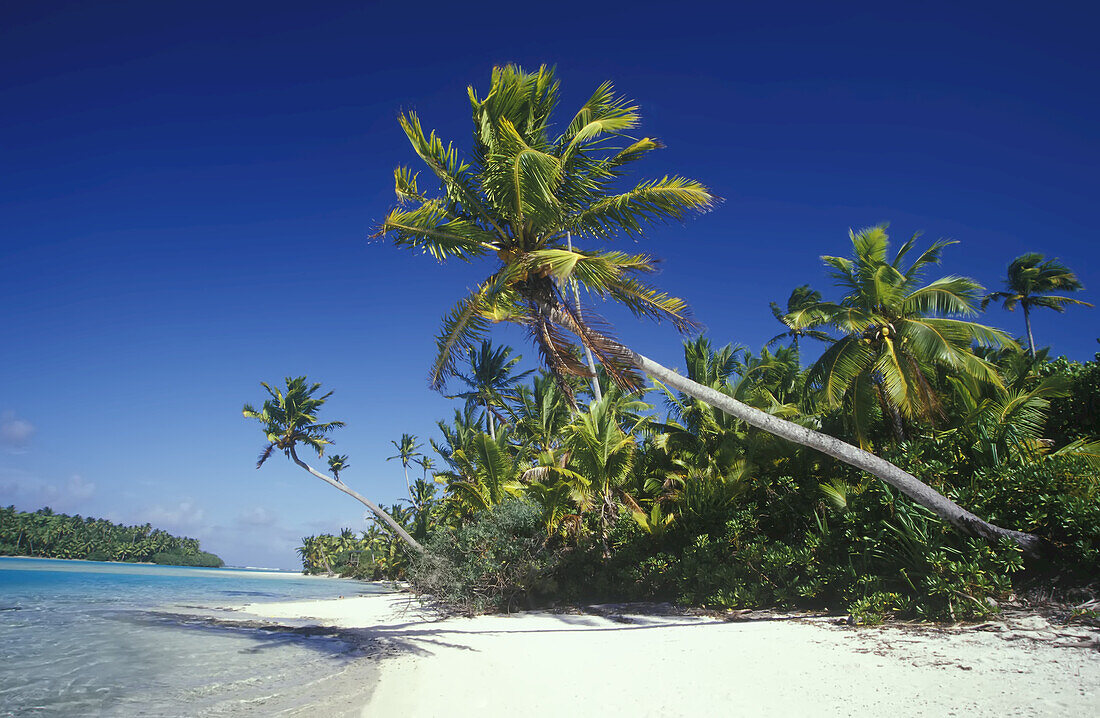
379 514
906 483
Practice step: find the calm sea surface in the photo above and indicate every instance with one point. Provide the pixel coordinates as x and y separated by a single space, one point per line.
83 638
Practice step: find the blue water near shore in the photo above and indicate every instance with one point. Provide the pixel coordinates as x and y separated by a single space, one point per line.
84 638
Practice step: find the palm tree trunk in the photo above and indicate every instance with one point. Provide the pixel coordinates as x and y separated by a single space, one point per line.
1027 323
489 421
903 481
378 513
596 392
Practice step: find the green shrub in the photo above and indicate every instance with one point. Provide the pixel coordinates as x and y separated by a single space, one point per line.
498 561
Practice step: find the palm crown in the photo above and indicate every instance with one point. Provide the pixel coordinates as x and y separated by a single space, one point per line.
290 418
1030 283
895 329
521 194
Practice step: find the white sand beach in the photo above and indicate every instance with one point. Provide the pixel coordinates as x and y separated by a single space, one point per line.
543 664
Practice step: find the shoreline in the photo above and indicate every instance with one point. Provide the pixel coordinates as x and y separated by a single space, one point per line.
623 662
250 570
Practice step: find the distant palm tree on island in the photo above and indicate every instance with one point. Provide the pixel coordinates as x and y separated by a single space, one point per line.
523 195
1031 282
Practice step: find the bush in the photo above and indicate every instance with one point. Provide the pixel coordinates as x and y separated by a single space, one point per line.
499 561
1057 498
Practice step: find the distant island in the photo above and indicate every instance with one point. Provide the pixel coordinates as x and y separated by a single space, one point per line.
46 534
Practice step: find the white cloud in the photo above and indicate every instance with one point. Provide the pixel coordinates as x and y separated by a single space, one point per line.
30 492
258 516
15 433
185 517
79 489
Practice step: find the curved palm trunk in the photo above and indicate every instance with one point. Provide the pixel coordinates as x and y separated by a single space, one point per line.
903 481
378 513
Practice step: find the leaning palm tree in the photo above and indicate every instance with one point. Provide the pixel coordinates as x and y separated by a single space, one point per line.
896 330
1031 283
289 419
521 195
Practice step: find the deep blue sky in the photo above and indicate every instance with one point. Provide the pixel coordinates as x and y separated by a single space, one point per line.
187 189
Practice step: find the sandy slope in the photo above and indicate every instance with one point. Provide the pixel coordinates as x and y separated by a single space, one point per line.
539 664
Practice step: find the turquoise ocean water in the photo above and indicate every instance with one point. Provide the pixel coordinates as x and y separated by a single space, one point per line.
83 638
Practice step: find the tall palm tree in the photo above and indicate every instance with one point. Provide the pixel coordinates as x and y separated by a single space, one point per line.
517 198
289 418
896 330
490 379
799 305
407 451
1031 282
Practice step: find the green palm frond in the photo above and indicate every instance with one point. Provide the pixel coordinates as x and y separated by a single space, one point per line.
838 367
1056 303
464 326
432 229
445 164
669 198
404 184
947 295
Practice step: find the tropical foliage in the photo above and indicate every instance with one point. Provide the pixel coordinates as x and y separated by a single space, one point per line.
551 488
520 197
656 495
49 535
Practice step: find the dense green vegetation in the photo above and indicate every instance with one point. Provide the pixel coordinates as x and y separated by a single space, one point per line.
583 482
626 501
49 535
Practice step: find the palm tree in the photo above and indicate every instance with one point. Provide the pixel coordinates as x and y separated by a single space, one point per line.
1030 283
338 463
798 319
896 331
517 199
490 379
603 453
407 451
290 418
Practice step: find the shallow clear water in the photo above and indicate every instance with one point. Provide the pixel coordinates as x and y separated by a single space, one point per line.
83 638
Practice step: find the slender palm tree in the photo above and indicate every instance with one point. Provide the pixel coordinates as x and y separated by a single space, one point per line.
896 330
1031 282
407 451
518 196
800 304
338 463
490 380
289 419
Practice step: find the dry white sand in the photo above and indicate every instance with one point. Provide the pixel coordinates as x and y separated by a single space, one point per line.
543 664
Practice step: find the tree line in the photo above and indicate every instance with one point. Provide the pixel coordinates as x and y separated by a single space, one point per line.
47 534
